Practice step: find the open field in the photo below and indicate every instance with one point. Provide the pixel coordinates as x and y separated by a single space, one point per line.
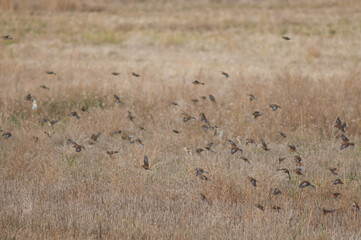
50 191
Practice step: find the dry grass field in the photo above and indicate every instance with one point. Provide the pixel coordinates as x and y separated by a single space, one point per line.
48 190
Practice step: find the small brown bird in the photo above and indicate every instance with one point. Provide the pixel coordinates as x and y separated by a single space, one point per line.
356 206
338 181
246 160
115 73
251 97
251 140
116 132
298 171
174 103
187 117
346 142
264 145
291 148
84 109
212 98
146 163
208 147
53 122
7 37
194 100
77 147
281 159
285 170
260 207
175 131
94 138
286 38
111 153
203 197
225 74
326 211
203 177
188 150
234 147
28 97
277 208
282 134
74 114
306 184
7 135
200 171
135 74
333 170
336 194
117 99
203 97
277 191
204 118
130 116
199 150
44 87
275 107
196 82
298 160
253 181
50 73
340 125
256 114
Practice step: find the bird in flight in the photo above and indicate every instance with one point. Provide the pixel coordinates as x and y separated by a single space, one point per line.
7 135
50 73
74 114
146 163
306 184
286 38
346 142
7 37
256 114
340 125
264 145
117 99
234 147
275 107
225 74
77 146
196 82
251 97
135 74
44 87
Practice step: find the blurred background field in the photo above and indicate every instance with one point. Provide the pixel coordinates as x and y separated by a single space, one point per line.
48 191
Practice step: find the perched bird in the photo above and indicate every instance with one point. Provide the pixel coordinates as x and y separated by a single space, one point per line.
44 87
225 74
74 114
135 74
298 160
94 138
298 171
130 116
174 103
204 118
212 98
285 170
256 114
50 73
7 37
253 181
53 122
246 160
277 191
203 197
346 142
199 150
281 159
264 145
203 97
251 97
115 73
306 184
7 135
188 150
291 148
286 38
28 97
338 181
274 107
116 132
111 153
77 147
234 147
260 207
117 99
175 131
200 171
326 211
282 134
84 109
146 163
333 170
194 100
196 82
340 125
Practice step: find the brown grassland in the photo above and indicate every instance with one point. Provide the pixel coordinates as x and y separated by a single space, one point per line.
50 191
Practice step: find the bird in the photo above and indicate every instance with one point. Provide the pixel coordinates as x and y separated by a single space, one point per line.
146 163
245 159
204 118
291 148
340 125
200 171
84 109
194 100
28 97
251 97
275 107
277 208
203 197
53 122
264 145
356 206
212 98
253 181
298 160
44 87
336 194
259 206
251 140
298 171
234 147
74 114
225 74
50 73
306 184
187 117
203 97
346 142
117 99
130 116
208 147
256 114
77 146
286 38
7 37
174 103
115 73
281 159
94 138
282 134
277 191
135 74
175 131
188 150
333 170
116 132
203 177
196 82
199 150
7 135
111 153
326 211
285 170
338 181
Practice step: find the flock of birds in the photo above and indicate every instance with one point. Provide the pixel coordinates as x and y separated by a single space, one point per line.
234 148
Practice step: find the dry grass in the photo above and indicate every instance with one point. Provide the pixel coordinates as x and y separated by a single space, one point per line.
48 191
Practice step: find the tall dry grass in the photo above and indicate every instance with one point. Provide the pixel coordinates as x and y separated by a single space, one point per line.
48 191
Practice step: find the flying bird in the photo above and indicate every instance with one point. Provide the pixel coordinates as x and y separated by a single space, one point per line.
225 74
196 82
306 184
234 147
77 146
7 37
146 163
264 145
251 97
50 73
256 114
44 87
212 98
346 142
135 74
286 38
117 99
275 107
74 114
340 125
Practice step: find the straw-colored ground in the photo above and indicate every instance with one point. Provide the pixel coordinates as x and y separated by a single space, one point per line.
50 191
